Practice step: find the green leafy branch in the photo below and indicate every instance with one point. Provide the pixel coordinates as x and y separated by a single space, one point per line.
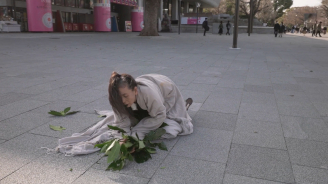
65 112
131 148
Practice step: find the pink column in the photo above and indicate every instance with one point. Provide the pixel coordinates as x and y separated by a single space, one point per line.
101 15
137 19
39 15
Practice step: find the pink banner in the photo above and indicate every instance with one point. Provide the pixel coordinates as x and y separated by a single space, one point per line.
39 15
101 15
137 19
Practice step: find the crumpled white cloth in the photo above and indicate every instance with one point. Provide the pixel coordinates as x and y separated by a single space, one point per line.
83 143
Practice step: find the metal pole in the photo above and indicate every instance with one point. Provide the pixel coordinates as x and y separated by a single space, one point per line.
179 15
235 30
197 20
249 19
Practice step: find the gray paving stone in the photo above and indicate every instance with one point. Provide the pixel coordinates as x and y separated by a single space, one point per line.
206 80
21 150
286 87
22 123
258 98
259 133
258 81
204 147
190 171
73 124
2 141
200 87
221 104
261 163
292 96
322 108
12 97
298 109
258 89
304 128
86 96
104 177
227 93
52 168
19 107
308 153
100 104
215 120
63 92
308 80
263 112
197 96
304 175
235 179
230 83
143 170
283 80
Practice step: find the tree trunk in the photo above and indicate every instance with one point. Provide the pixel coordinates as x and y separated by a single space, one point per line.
150 18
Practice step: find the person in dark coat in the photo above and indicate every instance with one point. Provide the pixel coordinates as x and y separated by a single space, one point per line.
276 29
281 29
220 28
228 25
205 26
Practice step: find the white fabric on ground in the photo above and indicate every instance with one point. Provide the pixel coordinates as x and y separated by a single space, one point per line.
158 95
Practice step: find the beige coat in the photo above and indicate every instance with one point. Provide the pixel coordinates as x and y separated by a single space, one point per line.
158 95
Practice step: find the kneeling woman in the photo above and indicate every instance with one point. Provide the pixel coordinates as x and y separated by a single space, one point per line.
139 106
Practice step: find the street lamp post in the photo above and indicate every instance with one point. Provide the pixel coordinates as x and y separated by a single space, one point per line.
179 15
197 7
235 30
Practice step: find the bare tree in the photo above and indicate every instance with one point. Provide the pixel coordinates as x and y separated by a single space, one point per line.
150 18
324 7
257 6
267 14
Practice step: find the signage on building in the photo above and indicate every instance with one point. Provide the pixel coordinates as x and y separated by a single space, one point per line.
39 15
128 26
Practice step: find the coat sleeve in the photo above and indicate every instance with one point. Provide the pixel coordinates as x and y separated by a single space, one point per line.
157 113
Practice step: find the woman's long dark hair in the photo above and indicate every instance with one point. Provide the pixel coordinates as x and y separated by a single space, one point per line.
117 81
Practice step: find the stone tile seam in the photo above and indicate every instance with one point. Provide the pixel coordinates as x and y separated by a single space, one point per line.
255 178
25 111
290 162
164 159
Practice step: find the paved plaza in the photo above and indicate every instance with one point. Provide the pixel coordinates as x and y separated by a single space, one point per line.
260 113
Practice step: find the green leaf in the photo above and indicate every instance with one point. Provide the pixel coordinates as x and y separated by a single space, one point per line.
137 136
57 128
104 148
55 113
67 109
72 112
128 144
103 144
141 144
162 167
155 134
163 125
162 146
71 170
130 157
113 151
124 150
151 150
116 165
141 156
116 128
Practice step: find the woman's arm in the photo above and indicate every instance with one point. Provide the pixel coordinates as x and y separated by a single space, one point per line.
155 106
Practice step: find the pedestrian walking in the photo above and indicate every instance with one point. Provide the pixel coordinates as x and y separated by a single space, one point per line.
281 29
276 29
304 30
318 29
205 26
220 28
314 29
324 30
228 25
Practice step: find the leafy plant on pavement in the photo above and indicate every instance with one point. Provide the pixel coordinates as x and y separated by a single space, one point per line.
65 112
131 148
57 128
